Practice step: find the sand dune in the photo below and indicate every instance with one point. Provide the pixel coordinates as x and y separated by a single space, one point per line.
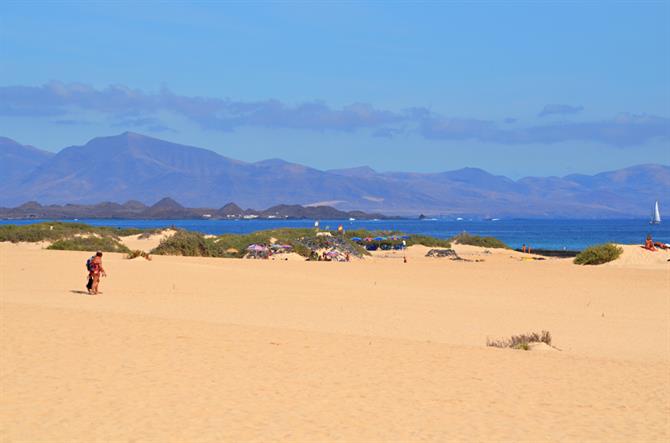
197 349
635 256
146 243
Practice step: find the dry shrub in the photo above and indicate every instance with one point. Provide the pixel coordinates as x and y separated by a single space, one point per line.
521 341
137 253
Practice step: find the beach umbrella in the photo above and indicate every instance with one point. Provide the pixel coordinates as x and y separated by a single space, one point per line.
256 248
368 239
380 238
356 239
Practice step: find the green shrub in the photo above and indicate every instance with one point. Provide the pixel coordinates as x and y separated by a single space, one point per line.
106 244
598 254
192 244
431 242
474 240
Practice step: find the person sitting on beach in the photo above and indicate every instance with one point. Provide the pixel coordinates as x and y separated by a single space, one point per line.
95 271
649 244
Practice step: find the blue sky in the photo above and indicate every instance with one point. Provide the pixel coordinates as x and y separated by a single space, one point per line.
517 88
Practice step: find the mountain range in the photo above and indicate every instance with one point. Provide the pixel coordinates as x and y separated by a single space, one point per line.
168 209
132 166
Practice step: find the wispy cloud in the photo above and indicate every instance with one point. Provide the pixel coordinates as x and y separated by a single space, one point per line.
57 98
560 109
138 109
623 130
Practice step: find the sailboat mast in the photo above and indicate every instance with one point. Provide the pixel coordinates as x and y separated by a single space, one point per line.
655 214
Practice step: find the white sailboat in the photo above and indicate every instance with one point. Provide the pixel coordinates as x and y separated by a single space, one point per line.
655 215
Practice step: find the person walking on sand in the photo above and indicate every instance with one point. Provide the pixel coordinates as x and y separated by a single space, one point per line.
95 271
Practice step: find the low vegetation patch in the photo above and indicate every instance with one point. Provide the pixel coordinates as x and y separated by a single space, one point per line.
475 240
302 241
52 231
80 236
522 341
287 236
106 244
431 242
599 254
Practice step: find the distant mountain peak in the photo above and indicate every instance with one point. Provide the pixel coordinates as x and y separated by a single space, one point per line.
166 203
131 134
230 209
17 161
124 138
7 143
30 205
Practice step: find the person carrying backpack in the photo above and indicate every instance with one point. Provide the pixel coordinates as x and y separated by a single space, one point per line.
95 270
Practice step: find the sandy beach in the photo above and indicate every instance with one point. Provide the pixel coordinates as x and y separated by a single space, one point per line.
183 349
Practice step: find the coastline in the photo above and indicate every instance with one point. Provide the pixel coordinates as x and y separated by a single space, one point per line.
550 234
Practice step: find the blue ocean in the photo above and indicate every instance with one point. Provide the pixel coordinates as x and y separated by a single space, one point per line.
539 234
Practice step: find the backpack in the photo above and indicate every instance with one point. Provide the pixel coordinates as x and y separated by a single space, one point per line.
89 264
